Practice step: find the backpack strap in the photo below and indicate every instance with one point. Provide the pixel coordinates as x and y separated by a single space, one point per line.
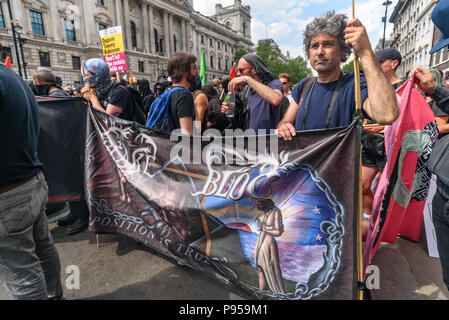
109 95
332 103
334 99
305 87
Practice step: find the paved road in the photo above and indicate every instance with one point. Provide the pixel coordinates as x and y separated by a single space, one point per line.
123 269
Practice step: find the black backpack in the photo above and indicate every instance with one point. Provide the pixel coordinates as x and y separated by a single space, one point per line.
135 106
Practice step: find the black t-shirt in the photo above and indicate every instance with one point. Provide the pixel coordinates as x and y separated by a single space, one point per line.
19 129
181 106
119 97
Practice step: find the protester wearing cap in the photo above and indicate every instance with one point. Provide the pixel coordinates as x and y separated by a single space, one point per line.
265 92
107 96
98 83
439 159
389 60
373 146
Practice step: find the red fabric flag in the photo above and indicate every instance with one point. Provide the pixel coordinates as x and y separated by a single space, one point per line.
403 187
8 62
232 74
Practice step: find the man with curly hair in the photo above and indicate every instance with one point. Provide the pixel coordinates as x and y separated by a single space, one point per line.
328 100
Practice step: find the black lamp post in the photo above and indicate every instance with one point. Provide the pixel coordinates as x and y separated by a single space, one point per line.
14 37
384 20
21 42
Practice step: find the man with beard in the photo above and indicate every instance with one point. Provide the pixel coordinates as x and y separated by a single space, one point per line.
328 101
263 93
183 71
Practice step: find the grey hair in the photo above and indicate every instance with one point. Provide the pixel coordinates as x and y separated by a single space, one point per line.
331 23
44 74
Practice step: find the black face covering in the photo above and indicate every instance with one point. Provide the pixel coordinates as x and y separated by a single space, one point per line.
43 89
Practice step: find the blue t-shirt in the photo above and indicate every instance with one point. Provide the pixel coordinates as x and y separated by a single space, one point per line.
320 100
19 129
262 114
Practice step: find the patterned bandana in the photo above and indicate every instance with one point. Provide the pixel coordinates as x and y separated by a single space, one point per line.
101 78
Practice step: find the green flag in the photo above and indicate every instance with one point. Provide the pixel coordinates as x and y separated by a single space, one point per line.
203 69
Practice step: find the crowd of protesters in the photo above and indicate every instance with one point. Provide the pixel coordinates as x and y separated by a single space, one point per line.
260 101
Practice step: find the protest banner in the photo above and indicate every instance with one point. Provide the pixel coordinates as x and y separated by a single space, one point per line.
278 225
113 49
61 146
404 185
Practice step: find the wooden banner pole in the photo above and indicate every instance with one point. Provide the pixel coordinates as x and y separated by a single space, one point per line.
358 106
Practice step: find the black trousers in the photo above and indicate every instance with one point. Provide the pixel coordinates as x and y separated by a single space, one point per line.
79 209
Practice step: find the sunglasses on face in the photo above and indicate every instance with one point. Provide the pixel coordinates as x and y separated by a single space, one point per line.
240 70
284 83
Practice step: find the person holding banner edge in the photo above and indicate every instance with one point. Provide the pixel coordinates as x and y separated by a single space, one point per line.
328 41
439 159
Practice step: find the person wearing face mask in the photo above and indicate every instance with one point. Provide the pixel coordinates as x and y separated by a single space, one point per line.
44 82
160 87
103 93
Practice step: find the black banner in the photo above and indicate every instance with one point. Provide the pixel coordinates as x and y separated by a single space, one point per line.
275 218
61 146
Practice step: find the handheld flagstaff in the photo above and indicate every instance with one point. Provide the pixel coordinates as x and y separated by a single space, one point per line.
358 106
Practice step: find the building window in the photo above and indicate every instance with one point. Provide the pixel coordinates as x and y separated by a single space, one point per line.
211 61
37 24
133 35
211 42
228 25
69 30
226 47
161 45
219 63
141 67
202 39
100 2
218 45
102 26
174 43
44 58
156 41
76 63
6 52
2 21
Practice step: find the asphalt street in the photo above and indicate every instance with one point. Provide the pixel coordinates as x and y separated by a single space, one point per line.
122 269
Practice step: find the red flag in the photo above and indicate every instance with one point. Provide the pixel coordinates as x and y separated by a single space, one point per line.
403 187
232 74
8 62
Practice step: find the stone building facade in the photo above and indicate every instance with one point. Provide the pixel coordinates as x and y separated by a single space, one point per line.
413 33
62 33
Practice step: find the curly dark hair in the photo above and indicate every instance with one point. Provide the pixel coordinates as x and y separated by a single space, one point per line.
333 24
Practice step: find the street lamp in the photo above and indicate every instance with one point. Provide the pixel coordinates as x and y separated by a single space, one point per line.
384 20
19 28
14 37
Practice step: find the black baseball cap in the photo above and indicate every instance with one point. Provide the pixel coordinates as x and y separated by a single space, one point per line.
389 53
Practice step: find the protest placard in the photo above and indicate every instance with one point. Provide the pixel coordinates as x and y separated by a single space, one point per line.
113 49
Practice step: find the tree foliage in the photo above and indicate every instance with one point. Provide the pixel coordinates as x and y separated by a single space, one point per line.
349 67
238 54
296 68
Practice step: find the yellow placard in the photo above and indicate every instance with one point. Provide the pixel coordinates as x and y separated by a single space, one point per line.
112 44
